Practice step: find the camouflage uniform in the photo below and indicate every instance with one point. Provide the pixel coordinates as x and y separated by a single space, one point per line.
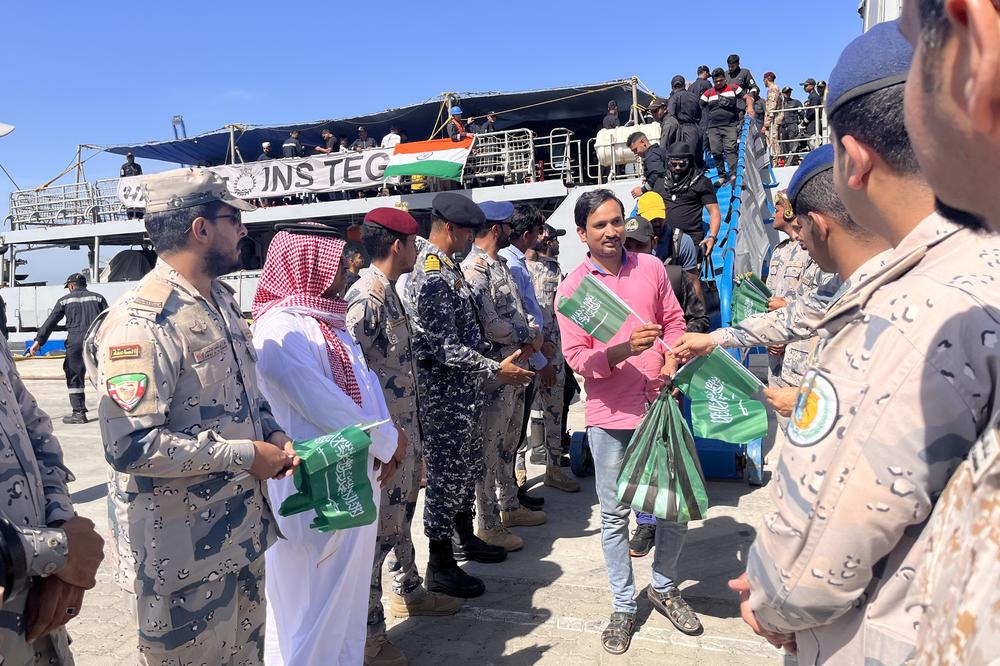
452 372
956 586
788 260
33 487
377 322
796 357
179 412
545 276
901 385
506 329
772 119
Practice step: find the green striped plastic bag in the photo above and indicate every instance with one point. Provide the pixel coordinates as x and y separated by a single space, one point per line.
661 474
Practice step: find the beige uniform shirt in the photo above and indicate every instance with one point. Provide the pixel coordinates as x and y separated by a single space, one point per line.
545 276
796 357
958 584
179 412
900 387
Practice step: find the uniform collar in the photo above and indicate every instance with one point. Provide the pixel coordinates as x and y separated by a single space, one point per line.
168 273
445 259
932 230
477 251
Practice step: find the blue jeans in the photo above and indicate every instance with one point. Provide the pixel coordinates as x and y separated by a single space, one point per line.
608 449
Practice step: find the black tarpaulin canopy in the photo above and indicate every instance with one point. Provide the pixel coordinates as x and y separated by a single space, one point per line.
578 108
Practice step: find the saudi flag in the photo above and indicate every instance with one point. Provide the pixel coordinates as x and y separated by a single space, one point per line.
746 301
442 158
719 388
332 480
595 308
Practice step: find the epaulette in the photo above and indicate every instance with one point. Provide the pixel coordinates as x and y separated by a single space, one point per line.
432 264
377 292
231 288
152 296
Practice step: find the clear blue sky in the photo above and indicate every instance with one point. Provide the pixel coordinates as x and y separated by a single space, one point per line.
116 72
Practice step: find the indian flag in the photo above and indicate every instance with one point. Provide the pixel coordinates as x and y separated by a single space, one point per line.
442 158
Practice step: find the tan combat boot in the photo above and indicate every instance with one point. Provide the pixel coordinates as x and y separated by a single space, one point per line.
427 604
502 537
556 478
380 652
522 517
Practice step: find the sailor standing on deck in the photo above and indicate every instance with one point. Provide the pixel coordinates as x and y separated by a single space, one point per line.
80 307
449 348
183 422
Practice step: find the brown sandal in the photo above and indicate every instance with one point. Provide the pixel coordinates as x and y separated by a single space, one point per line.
672 605
617 636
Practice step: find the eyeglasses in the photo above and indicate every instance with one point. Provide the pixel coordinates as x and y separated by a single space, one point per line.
236 218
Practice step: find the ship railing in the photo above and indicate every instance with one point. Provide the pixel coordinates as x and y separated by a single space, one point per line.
807 137
72 203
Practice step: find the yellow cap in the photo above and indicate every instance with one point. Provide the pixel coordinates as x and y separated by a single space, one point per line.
651 207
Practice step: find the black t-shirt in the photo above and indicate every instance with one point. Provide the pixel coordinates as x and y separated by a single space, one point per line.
684 210
131 169
332 144
611 121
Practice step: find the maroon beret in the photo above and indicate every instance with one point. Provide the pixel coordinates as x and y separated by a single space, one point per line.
393 219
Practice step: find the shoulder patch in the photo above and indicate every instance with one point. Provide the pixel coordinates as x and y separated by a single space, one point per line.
127 390
432 264
152 295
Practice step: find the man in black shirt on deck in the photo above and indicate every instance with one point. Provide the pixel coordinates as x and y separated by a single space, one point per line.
292 147
702 83
654 163
670 129
130 168
741 75
811 119
723 103
611 120
685 106
80 307
267 154
363 142
330 143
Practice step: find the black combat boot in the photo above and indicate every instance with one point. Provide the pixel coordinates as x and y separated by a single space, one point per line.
444 576
467 546
529 502
75 418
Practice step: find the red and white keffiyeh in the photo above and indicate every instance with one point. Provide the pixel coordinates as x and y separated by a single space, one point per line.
298 269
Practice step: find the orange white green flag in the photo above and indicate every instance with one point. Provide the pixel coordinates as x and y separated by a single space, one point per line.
441 158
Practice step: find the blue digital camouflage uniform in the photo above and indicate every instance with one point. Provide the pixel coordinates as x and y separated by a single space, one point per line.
377 322
903 382
452 372
33 494
179 412
506 328
545 276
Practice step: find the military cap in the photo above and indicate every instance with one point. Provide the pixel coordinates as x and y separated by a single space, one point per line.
770 75
457 209
677 81
552 232
878 59
638 228
651 206
786 89
808 82
392 219
657 103
814 164
76 278
183 188
497 211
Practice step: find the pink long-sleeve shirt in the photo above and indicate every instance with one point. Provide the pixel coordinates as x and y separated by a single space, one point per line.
617 396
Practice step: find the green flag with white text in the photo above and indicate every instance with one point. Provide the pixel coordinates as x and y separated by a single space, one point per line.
749 297
595 308
719 388
332 480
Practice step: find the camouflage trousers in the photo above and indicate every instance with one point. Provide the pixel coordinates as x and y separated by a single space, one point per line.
453 451
395 516
549 401
501 419
214 623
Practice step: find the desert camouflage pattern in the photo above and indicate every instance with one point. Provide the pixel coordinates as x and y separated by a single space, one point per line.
546 276
795 360
902 384
956 585
452 371
179 411
788 260
377 323
506 329
33 494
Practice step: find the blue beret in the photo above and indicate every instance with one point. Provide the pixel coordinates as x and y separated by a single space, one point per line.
453 207
497 211
814 164
877 59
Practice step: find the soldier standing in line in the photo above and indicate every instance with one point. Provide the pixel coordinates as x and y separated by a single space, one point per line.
449 348
507 330
772 117
543 266
377 322
188 435
901 386
80 307
54 550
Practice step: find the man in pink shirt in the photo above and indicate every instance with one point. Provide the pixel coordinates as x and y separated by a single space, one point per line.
621 378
